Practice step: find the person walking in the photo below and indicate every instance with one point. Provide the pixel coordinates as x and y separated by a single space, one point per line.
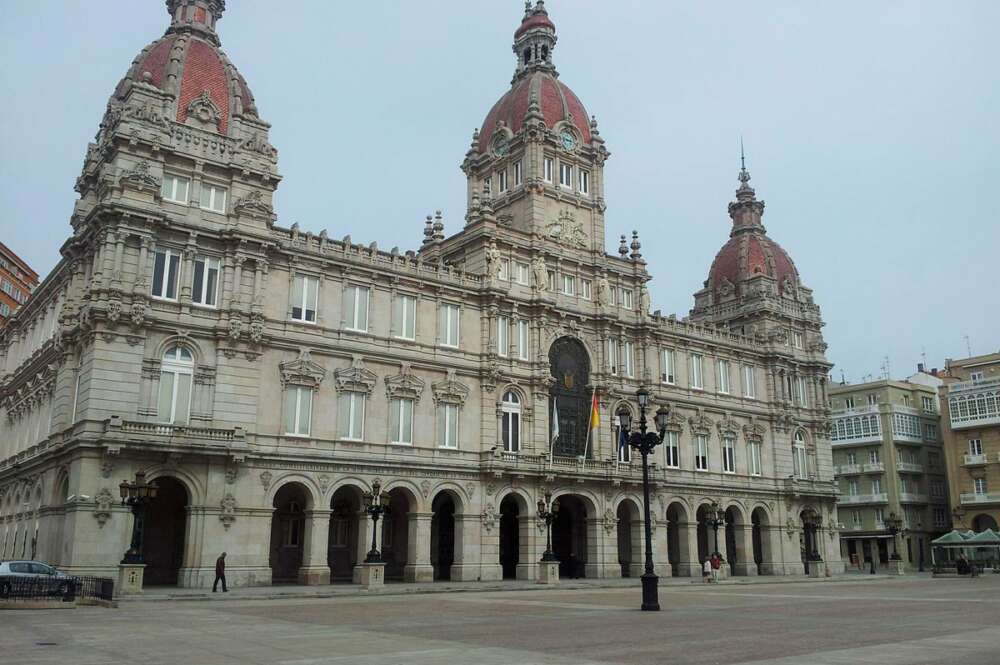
220 574
707 570
716 562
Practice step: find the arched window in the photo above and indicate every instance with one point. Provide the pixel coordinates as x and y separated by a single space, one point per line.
799 455
176 374
510 409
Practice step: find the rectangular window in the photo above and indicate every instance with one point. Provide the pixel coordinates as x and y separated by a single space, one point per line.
980 485
585 289
521 273
401 421
612 354
628 359
852 458
166 265
753 453
930 432
547 169
800 391
503 336
856 518
584 182
975 446
305 291
876 485
502 181
701 452
852 487
976 376
351 415
298 410
518 173
797 340
551 279
879 518
213 198
940 517
568 285
667 366
928 404
448 325
729 454
405 316
205 287
872 399
848 402
626 300
723 367
448 425
505 269
749 382
696 373
522 340
873 457
174 405
175 188
565 175
905 400
356 308
671 446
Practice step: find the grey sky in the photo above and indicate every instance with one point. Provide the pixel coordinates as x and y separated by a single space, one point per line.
871 131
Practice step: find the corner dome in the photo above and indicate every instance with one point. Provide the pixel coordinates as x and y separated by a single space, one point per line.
188 64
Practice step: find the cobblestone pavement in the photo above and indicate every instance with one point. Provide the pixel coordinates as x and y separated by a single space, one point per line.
911 620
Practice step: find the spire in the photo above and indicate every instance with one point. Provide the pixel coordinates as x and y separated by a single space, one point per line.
746 210
198 16
534 40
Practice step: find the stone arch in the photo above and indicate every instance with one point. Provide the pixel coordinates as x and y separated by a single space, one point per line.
736 549
446 536
291 500
982 522
165 529
678 516
458 494
570 367
312 490
350 528
198 355
409 489
761 548
575 536
356 482
60 488
194 488
399 536
708 538
629 528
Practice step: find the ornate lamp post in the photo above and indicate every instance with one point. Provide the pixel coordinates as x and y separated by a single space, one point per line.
716 518
645 442
893 525
376 505
137 496
547 510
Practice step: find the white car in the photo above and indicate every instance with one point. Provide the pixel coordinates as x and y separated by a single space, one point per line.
11 572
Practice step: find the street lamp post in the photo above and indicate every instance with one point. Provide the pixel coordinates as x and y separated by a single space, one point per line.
715 519
893 525
376 505
137 496
645 442
547 510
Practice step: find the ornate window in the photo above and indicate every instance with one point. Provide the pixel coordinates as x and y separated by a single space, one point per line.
176 376
166 266
448 425
205 283
449 396
701 452
754 458
729 453
401 420
667 366
298 410
623 451
510 415
749 382
628 359
723 371
503 336
213 198
300 378
522 339
175 188
672 450
353 385
697 378
305 292
799 455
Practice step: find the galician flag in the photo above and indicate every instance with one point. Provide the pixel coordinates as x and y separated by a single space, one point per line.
555 423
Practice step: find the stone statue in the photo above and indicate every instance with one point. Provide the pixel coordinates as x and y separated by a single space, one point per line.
539 273
644 301
602 290
492 261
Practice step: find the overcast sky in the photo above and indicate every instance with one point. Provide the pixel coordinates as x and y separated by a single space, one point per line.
871 131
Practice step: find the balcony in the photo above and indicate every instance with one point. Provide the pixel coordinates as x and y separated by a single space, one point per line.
873 467
909 467
847 469
974 403
975 499
974 460
909 497
857 499
228 441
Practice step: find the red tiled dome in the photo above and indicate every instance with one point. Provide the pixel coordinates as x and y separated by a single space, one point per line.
188 63
556 101
762 256
534 21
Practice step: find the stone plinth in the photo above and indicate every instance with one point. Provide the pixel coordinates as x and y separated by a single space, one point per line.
130 577
895 567
817 569
372 575
548 572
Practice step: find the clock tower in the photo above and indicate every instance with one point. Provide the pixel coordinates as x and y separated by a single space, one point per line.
537 162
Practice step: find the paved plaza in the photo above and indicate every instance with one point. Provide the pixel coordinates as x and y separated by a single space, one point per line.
909 620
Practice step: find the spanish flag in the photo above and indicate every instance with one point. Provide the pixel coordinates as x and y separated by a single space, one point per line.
595 414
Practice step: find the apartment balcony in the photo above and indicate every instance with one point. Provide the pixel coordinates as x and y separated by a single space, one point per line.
910 497
873 467
976 499
847 469
909 467
974 460
974 403
859 499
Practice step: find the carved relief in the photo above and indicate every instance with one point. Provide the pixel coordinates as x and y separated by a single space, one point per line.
450 390
610 521
489 518
203 112
265 479
228 514
302 371
567 231
404 385
355 378
102 506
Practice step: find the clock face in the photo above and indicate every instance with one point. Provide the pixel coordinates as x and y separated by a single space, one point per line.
500 146
568 140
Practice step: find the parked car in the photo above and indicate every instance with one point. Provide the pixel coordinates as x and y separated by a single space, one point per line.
13 572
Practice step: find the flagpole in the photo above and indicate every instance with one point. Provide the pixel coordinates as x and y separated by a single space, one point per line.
590 422
553 430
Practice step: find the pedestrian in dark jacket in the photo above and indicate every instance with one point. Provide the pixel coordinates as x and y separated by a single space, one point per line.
220 574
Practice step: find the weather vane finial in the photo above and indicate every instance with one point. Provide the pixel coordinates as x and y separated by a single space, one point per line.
744 176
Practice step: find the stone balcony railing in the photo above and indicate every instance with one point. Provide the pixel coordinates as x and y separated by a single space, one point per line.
974 460
911 497
165 434
976 498
909 467
856 499
847 469
873 467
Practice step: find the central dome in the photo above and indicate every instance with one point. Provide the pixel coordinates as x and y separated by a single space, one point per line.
188 64
536 78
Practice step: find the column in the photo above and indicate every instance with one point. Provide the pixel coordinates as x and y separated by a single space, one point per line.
468 553
661 555
364 543
745 565
531 544
602 550
691 566
142 272
418 566
315 568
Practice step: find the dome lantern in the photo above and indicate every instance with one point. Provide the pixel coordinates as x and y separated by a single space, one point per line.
534 40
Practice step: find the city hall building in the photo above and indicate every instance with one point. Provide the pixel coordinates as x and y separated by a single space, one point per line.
264 376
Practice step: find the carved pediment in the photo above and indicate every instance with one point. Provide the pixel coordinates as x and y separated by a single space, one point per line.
675 423
754 432
302 371
139 176
728 426
355 378
450 390
253 203
700 424
404 385
203 112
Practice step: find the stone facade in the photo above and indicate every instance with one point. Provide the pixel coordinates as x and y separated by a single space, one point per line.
266 376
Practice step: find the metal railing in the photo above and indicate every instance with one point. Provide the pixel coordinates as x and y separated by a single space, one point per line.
67 590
